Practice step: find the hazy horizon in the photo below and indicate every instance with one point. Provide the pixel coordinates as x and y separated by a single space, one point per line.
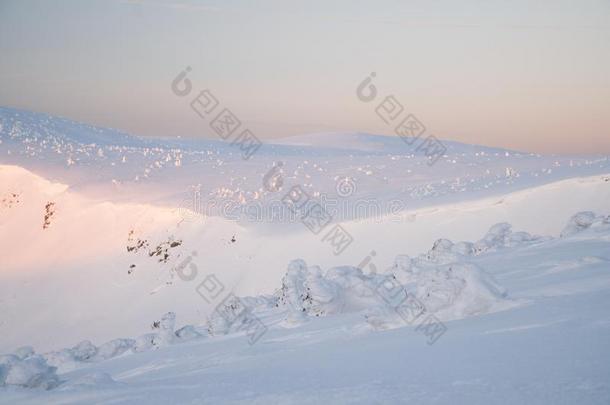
529 77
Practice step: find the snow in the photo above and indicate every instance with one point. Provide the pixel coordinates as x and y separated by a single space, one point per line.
188 332
484 298
115 348
488 283
585 220
523 354
31 371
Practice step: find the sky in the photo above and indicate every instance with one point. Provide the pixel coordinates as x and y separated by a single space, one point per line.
526 75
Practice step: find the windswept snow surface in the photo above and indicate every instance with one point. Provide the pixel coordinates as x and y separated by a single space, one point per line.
548 346
484 278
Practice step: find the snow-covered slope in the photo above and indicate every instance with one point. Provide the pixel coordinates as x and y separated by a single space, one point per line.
547 342
112 165
82 252
117 252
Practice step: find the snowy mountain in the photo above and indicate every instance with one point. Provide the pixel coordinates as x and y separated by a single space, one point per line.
156 270
164 170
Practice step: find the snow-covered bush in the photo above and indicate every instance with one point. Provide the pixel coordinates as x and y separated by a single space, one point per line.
445 284
30 372
146 342
4 368
463 248
84 351
307 291
17 369
441 251
519 238
188 332
236 314
501 236
457 290
62 359
445 251
585 220
25 368
217 325
450 289
24 352
494 238
578 222
6 361
402 268
66 359
114 348
293 294
166 333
